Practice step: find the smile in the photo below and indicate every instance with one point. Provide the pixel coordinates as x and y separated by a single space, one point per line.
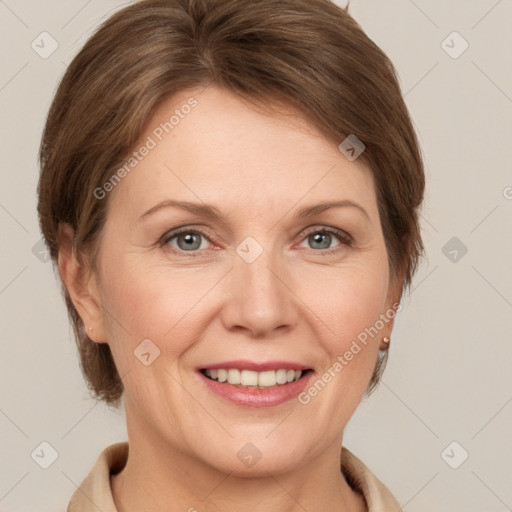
253 379
247 383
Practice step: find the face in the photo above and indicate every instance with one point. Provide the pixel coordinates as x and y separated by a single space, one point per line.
267 283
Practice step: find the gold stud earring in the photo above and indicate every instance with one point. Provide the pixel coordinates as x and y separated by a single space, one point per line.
386 339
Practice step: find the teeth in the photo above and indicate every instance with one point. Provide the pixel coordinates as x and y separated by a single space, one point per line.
266 379
281 376
234 376
250 379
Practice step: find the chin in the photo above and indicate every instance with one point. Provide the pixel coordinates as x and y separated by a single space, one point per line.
256 457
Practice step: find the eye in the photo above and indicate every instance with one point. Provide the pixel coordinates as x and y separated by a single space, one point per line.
192 241
186 240
322 238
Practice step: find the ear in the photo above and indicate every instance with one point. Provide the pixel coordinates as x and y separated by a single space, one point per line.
392 303
81 284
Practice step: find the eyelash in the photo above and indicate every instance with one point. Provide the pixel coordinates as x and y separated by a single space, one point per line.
344 238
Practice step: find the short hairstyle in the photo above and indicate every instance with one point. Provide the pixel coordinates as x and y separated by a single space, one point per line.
310 55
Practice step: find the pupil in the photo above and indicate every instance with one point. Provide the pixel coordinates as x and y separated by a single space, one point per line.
189 240
319 237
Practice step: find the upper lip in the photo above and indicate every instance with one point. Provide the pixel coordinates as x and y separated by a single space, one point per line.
244 364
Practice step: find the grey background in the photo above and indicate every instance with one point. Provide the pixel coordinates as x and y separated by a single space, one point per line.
448 379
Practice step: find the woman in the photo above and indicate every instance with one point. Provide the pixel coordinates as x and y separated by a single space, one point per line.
230 192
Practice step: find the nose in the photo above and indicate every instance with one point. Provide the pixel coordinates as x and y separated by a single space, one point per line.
260 299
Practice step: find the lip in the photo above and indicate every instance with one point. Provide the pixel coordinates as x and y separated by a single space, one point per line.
244 364
247 397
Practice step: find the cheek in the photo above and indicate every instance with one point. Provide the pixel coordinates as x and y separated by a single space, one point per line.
351 307
158 303
352 299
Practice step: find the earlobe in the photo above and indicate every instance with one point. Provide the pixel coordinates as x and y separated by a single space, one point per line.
81 285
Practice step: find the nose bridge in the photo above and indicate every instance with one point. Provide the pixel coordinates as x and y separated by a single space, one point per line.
260 300
257 277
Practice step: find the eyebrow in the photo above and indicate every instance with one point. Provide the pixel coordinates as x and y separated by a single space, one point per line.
211 212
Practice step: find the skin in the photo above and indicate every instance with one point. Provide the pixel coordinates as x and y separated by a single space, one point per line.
294 302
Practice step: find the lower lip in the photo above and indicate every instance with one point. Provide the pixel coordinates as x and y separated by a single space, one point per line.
253 397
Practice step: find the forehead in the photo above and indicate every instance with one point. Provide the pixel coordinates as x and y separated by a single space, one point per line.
209 144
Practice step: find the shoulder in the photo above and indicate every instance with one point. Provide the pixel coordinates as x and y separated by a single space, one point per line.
378 497
96 488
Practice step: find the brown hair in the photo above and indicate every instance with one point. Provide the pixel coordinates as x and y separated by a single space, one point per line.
308 54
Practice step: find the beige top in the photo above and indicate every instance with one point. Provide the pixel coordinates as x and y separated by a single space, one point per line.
95 492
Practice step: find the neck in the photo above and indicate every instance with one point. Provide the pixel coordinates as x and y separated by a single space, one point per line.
160 476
